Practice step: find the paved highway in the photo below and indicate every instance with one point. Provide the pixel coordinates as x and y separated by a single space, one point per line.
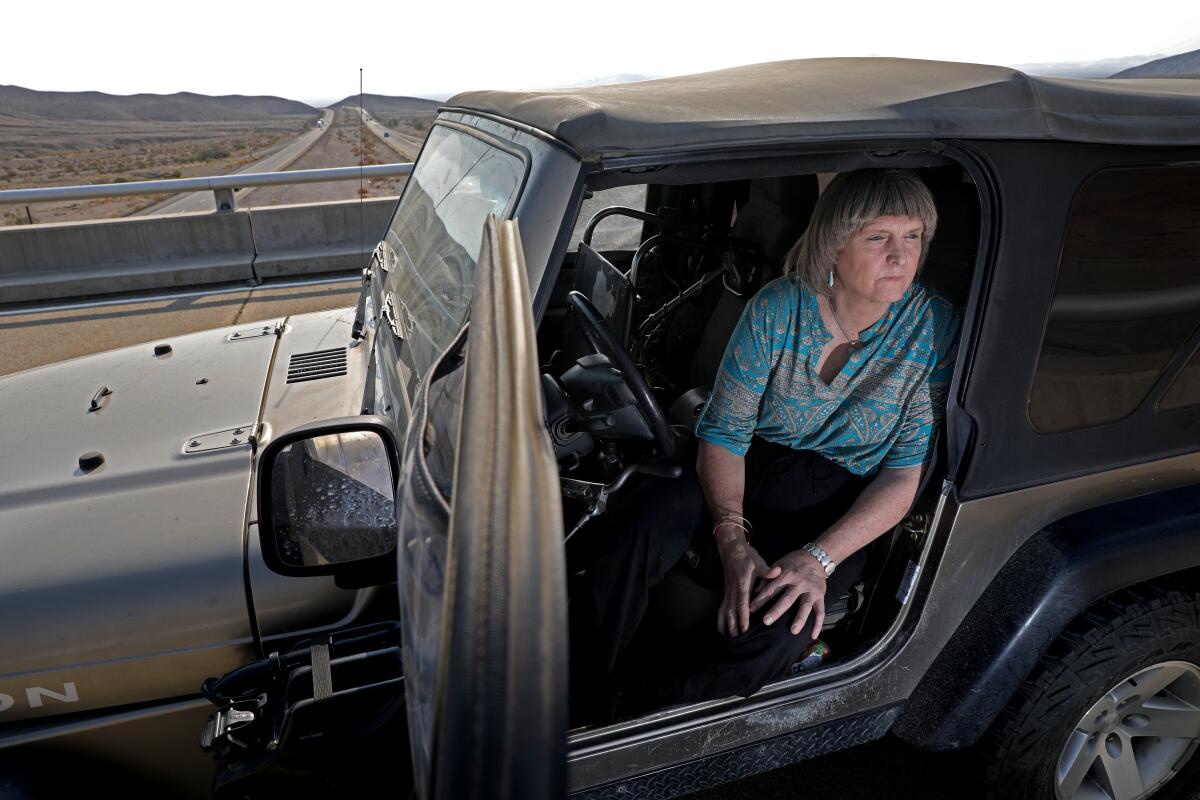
405 144
276 162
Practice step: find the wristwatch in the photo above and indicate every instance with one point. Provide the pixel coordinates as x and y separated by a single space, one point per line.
821 556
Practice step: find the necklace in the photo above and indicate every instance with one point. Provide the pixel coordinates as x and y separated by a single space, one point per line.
854 343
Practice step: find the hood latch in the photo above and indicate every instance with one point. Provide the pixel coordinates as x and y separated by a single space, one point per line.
241 436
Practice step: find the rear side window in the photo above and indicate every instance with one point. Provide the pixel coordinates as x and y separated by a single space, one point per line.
1125 300
616 232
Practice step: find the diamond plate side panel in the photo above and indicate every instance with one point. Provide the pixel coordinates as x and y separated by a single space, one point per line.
781 751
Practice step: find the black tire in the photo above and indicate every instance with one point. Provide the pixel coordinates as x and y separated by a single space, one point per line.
1114 639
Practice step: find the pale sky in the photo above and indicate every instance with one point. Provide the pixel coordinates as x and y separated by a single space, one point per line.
312 52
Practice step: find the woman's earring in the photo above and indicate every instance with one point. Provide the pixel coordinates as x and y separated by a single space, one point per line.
830 279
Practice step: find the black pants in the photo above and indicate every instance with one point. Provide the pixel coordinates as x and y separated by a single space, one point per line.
791 497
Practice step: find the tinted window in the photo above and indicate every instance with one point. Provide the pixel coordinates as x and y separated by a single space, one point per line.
1132 243
433 242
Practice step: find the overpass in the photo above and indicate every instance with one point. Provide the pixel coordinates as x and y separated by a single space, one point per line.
68 289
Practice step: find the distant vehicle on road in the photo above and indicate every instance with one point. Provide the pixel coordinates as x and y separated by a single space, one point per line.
359 519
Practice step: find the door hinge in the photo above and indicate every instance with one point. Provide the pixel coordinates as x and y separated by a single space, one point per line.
914 528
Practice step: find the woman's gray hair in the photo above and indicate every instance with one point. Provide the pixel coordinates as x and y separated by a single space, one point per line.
851 200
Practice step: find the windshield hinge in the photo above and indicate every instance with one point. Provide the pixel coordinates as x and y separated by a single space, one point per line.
390 316
379 257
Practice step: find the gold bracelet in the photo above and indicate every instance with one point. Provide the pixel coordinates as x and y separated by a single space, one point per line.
736 524
745 524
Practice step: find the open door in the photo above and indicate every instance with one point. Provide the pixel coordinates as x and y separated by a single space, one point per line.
481 572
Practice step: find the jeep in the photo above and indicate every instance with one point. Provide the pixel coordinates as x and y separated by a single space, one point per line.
359 533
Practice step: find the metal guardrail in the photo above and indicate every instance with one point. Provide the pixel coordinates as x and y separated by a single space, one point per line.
222 186
127 254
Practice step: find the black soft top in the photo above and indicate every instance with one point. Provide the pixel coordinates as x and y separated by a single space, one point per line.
851 98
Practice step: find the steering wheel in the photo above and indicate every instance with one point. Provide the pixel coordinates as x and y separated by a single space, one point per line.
603 342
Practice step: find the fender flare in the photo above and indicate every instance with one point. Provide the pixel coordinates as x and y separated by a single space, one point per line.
1052 578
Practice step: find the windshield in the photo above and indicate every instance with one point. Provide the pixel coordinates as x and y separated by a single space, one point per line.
433 243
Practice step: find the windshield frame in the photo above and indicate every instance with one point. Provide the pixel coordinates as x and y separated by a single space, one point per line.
390 353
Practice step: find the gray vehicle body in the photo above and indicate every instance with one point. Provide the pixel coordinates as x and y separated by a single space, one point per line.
132 583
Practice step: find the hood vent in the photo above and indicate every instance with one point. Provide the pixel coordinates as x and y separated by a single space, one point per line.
316 365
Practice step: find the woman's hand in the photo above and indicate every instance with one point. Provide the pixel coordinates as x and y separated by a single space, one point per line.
797 577
742 565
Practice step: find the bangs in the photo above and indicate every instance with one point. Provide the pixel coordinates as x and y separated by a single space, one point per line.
891 194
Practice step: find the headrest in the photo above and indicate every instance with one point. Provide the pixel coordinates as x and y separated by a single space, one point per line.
776 213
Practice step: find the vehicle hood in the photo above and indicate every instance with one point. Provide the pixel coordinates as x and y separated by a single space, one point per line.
144 552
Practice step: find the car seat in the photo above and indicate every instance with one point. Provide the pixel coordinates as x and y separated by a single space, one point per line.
773 217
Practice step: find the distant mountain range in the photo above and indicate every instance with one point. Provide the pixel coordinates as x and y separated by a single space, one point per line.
17 101
22 103
1184 65
383 105
1081 69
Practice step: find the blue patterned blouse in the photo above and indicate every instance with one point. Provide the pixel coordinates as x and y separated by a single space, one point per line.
881 408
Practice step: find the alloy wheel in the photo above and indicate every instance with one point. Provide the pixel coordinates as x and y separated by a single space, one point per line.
1134 738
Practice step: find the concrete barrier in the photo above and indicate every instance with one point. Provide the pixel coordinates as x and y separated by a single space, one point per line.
79 259
317 237
82 259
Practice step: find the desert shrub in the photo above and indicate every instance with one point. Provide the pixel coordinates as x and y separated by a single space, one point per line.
211 152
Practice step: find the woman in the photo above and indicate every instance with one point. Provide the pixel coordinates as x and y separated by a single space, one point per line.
811 446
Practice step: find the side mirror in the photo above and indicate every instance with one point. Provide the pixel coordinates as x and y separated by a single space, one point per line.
326 497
